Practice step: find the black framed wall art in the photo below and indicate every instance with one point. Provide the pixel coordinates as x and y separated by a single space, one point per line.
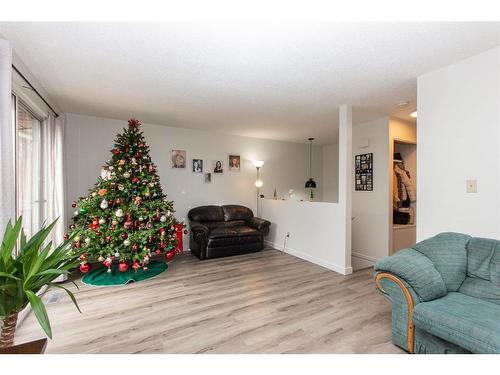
363 172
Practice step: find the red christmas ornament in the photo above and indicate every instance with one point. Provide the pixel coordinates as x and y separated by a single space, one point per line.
128 222
135 180
118 200
83 256
123 266
124 236
116 151
135 247
85 267
136 265
162 245
169 255
158 251
107 263
73 204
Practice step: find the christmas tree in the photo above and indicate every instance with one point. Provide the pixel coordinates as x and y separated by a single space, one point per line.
125 218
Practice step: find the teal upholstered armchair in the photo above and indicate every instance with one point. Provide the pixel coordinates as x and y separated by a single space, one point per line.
445 294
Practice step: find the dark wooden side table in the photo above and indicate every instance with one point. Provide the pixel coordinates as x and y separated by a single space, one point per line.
32 347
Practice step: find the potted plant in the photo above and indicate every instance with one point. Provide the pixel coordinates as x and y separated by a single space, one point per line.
22 275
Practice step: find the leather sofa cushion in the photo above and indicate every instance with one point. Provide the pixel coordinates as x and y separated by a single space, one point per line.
236 212
206 213
466 321
233 223
448 253
222 232
247 231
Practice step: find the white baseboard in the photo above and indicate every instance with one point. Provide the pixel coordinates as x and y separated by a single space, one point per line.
312 259
361 261
365 257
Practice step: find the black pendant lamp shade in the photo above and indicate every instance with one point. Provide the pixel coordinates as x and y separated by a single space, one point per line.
310 184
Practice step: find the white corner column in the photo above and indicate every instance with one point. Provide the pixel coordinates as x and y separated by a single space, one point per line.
7 171
345 177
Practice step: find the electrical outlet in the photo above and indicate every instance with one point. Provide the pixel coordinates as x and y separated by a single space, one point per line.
288 234
471 186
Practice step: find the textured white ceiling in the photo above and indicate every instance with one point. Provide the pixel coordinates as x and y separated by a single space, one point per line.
277 81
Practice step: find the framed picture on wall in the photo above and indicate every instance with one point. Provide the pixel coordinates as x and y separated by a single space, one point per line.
179 159
218 167
197 166
208 178
234 163
363 178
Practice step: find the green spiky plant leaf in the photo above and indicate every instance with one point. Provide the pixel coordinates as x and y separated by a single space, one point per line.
36 264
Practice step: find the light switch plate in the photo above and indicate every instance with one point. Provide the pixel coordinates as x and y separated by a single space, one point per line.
471 186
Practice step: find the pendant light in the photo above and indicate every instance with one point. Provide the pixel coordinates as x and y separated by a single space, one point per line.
310 184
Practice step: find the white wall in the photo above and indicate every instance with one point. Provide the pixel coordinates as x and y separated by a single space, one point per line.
458 140
315 231
330 180
90 139
370 209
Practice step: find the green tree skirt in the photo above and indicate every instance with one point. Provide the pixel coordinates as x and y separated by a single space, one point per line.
100 276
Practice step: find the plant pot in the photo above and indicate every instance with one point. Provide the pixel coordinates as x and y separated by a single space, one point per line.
8 330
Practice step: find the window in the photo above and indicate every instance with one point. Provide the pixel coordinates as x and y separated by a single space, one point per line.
29 202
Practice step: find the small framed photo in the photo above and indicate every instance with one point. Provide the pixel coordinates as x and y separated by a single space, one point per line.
197 166
218 167
179 159
208 178
234 163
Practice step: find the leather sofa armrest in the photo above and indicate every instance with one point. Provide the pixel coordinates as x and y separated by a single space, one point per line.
199 231
260 224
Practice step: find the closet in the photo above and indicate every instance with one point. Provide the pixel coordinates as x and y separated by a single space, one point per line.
404 188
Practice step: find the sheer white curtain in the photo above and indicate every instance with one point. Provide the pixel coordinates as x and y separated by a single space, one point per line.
53 174
7 174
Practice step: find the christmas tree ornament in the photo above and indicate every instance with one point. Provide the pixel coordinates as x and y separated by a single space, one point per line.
163 218
126 175
123 266
102 221
77 238
85 267
102 192
78 244
98 234
100 259
118 200
126 242
73 204
136 265
169 255
66 236
104 204
108 238
76 213
108 262
128 223
124 236
135 247
117 255
87 240
94 194
119 212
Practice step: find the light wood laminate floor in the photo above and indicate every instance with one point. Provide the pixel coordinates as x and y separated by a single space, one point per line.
266 302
